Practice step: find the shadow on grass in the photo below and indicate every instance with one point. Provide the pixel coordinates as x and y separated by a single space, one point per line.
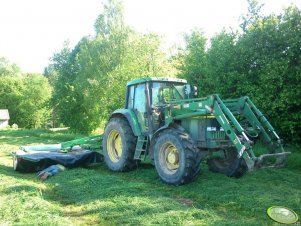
26 136
25 140
60 136
20 188
9 172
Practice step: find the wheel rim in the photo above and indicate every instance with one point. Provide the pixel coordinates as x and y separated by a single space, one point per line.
169 157
114 145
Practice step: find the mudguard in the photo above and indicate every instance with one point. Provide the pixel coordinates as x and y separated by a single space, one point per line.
131 117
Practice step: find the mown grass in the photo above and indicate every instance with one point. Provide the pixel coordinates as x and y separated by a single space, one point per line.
96 196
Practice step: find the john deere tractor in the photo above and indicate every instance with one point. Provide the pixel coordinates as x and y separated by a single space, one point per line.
164 121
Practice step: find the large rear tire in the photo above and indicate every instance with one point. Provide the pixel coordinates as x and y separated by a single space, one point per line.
228 163
176 157
119 145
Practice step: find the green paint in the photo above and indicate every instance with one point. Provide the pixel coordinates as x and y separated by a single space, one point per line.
131 117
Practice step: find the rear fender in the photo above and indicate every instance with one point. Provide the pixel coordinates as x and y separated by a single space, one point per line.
131 118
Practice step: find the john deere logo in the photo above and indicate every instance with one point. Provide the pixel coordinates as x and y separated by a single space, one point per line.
282 215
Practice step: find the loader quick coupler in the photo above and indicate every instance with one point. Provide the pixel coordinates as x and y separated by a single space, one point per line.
279 162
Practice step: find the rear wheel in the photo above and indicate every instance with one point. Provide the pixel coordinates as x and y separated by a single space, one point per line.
119 145
228 163
176 157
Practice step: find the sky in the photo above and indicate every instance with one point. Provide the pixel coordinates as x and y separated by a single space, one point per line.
32 31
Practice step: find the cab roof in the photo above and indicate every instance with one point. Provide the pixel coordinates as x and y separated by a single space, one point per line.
155 79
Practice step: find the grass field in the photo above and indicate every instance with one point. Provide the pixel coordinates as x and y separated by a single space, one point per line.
96 196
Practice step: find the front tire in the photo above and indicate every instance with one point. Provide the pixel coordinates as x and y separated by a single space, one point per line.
228 163
119 145
176 157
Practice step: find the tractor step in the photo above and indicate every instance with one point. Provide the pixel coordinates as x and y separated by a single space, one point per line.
141 147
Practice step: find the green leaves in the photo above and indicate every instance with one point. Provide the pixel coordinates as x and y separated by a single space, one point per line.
25 96
194 60
90 80
8 69
27 99
263 62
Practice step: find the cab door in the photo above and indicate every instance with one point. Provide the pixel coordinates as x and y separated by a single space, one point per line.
137 102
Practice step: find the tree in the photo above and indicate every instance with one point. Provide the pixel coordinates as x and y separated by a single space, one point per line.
253 15
11 96
194 60
262 61
27 99
89 81
8 69
223 73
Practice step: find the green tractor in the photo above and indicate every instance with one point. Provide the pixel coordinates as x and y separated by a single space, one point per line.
164 121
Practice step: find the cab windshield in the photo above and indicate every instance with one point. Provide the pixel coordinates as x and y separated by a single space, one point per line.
163 92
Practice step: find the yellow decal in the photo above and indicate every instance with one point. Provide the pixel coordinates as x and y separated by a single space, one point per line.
205 116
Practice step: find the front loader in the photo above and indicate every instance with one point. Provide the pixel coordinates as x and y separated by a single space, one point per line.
163 121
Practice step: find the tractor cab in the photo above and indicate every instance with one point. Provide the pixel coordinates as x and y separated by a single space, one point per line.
159 90
147 97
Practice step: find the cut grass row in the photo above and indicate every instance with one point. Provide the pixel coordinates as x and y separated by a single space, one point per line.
96 196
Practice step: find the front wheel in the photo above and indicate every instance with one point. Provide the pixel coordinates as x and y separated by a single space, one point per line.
176 157
227 162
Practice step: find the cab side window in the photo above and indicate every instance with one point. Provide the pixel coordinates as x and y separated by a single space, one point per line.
139 99
130 104
155 93
137 102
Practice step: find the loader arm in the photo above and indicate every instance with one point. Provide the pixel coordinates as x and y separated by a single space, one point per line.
226 113
234 131
258 121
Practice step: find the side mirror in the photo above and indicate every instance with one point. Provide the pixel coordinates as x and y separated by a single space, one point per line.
195 91
187 90
190 91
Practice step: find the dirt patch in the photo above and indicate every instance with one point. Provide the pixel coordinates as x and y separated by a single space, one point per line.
185 201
